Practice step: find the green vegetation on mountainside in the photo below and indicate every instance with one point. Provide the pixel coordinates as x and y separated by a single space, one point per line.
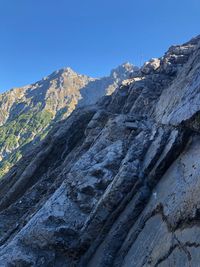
15 134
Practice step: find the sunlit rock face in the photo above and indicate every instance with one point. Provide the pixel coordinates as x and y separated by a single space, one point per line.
28 113
117 182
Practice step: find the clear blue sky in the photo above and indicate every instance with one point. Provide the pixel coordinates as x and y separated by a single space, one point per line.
91 36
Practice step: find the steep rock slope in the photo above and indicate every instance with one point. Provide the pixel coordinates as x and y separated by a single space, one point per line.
28 113
117 183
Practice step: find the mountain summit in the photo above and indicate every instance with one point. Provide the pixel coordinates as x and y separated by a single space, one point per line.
28 113
116 184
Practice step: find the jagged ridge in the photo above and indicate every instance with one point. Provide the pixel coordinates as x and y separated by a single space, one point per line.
117 183
28 113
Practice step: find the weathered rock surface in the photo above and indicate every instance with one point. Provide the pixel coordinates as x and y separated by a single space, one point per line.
117 183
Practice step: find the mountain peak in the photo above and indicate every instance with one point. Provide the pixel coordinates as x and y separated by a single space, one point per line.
122 70
120 176
60 72
68 71
50 99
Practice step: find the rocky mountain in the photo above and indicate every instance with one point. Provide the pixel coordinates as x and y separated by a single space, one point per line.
116 183
28 113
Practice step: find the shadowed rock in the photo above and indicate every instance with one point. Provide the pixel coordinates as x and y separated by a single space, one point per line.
117 183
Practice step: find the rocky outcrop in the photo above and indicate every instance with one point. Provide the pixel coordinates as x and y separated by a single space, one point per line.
28 113
117 183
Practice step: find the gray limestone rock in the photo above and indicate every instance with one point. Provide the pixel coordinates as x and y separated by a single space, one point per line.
117 183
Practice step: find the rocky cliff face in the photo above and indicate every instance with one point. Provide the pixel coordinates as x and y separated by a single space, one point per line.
28 113
117 183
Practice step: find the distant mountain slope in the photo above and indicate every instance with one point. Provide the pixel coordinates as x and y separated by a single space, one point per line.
27 113
117 183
